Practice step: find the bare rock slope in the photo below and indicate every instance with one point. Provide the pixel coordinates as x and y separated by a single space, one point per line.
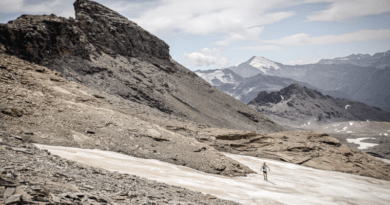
103 50
38 105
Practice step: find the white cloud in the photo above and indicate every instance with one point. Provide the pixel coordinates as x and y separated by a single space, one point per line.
229 18
206 58
261 48
59 7
342 10
305 39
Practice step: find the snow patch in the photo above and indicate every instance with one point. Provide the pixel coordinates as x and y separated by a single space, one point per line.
350 123
347 106
263 64
282 97
349 131
285 185
218 74
362 145
385 134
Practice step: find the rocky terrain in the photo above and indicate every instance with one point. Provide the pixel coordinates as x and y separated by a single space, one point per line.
297 105
369 136
362 78
307 148
41 106
103 50
32 176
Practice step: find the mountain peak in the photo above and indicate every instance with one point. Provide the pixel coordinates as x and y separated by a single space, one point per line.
263 64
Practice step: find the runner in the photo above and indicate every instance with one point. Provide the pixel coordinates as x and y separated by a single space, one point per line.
264 167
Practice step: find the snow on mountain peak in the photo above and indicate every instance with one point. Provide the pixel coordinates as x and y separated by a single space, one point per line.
218 74
263 64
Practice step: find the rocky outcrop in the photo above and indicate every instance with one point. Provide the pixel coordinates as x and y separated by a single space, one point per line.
297 105
103 50
42 39
307 148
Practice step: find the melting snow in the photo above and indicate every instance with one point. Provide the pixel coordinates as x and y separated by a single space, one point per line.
350 123
362 145
347 106
385 134
218 74
282 97
288 183
263 64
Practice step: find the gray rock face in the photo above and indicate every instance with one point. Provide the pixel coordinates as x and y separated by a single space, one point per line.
103 50
298 105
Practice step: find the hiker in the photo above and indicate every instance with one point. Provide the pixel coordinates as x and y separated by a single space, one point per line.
264 167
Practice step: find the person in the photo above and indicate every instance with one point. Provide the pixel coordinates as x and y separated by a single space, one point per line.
264 167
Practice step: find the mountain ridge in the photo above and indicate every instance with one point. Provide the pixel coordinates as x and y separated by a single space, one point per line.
298 105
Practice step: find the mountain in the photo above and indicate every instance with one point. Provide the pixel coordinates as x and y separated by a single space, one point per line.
297 105
246 89
378 60
367 83
255 65
103 50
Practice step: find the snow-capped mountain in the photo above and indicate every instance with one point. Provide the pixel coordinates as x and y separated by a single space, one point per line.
255 65
378 60
349 80
246 89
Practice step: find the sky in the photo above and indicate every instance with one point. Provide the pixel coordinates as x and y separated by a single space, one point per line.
210 34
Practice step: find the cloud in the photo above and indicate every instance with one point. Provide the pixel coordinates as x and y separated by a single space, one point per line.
233 20
342 10
206 58
303 39
261 48
59 7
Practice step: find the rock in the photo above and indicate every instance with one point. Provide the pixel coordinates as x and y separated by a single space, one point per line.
156 135
14 199
25 196
9 192
64 186
24 150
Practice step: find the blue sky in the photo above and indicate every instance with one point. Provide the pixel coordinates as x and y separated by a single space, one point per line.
208 34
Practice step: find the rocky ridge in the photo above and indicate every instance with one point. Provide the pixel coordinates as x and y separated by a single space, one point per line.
297 105
103 50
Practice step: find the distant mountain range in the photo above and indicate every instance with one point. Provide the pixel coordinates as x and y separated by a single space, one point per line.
378 60
362 78
297 105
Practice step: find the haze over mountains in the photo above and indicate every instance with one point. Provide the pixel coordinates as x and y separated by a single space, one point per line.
361 78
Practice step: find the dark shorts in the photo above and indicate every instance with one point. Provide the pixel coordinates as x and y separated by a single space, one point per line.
265 172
